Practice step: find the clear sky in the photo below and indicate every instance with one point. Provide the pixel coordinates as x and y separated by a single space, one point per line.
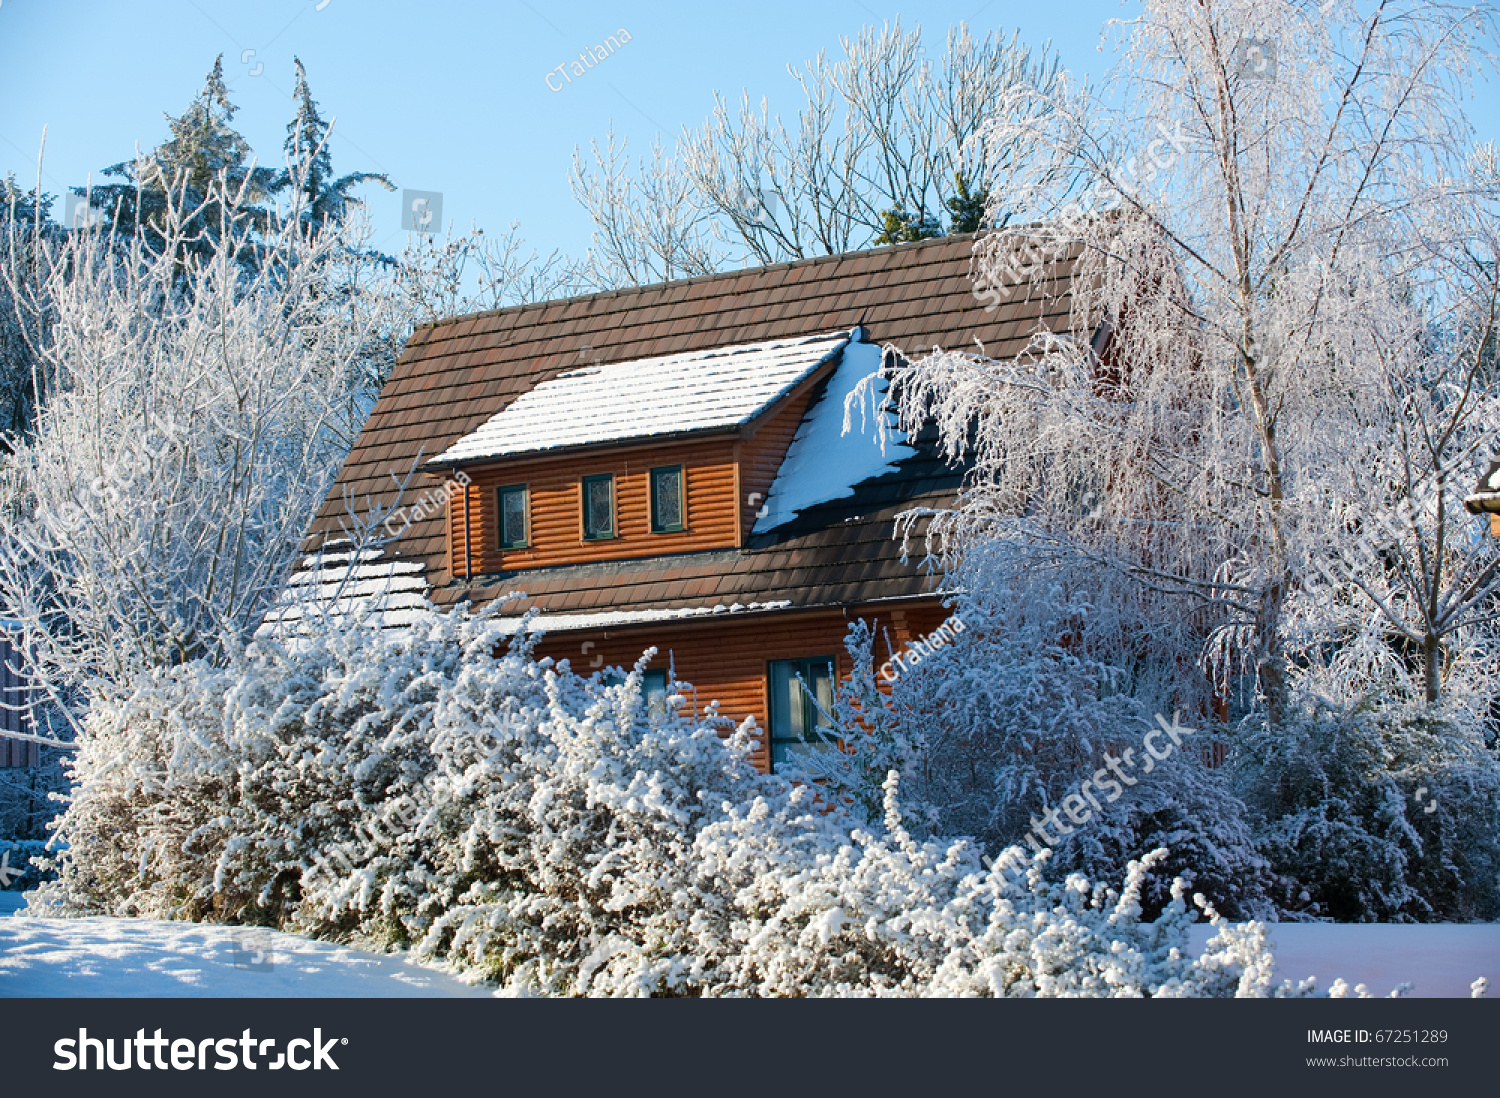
451 95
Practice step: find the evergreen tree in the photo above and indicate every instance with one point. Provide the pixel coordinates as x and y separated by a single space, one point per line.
966 207
903 228
203 146
310 175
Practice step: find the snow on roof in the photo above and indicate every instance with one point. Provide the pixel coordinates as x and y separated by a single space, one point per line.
1486 495
719 389
389 592
832 451
548 623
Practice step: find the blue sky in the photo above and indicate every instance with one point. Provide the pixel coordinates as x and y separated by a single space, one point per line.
448 96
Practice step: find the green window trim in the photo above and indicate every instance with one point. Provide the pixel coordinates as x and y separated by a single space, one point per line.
654 682
506 496
654 690
796 724
663 509
599 525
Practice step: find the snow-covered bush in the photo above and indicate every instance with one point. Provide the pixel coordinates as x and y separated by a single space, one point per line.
437 787
1382 811
994 731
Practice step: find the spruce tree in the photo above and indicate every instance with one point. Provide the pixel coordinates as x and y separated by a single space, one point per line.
310 175
966 207
203 146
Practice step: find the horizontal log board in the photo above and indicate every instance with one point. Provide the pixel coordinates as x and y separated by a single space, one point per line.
761 456
555 508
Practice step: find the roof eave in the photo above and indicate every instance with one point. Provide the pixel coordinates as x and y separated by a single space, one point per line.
741 615
453 464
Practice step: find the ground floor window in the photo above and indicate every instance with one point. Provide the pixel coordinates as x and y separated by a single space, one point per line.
654 687
799 689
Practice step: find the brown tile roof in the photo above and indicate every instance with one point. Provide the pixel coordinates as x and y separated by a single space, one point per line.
454 375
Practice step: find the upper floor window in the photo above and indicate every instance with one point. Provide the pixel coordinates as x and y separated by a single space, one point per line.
666 499
598 507
513 526
801 693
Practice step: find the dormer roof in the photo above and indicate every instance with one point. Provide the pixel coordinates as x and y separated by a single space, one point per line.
708 391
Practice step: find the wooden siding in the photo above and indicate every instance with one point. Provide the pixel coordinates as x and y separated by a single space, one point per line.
555 507
761 456
726 658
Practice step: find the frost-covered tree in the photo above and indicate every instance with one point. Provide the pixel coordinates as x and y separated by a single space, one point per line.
197 410
446 276
992 732
889 141
25 222
205 157
323 197
1408 592
202 163
1254 184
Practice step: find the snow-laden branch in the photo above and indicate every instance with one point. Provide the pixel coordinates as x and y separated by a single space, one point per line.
198 407
1278 283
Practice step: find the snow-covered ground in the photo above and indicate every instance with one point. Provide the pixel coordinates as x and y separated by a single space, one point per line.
142 958
64 958
1439 960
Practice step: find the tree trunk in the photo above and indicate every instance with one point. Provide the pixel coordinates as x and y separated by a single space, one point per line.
1432 651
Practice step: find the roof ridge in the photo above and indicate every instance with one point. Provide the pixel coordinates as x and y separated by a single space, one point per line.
625 291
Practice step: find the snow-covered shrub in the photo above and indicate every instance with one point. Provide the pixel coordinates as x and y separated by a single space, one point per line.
438 788
877 912
994 731
208 792
1378 810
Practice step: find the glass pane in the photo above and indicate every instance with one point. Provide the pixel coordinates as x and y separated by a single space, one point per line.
793 714
654 686
598 516
819 679
666 498
786 708
513 517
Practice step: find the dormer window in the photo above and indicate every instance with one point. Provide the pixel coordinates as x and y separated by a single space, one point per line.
598 508
514 532
666 500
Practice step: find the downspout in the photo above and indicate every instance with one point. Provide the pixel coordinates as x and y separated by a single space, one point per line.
468 564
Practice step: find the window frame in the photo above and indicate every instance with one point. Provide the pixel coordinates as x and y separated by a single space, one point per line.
656 688
658 527
500 493
614 518
800 674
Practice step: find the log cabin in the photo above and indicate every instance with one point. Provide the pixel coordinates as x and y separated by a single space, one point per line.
666 466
